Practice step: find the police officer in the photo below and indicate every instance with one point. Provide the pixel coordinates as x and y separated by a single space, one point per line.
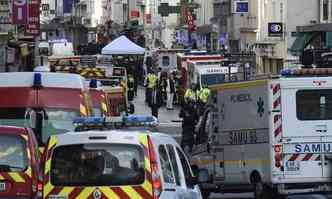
189 117
131 87
191 94
203 98
151 83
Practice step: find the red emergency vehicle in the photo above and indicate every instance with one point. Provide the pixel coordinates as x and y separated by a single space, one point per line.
46 102
19 163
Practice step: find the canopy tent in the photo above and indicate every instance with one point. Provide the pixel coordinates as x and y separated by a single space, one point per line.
122 46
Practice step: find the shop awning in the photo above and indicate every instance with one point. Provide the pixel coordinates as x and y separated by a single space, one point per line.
302 40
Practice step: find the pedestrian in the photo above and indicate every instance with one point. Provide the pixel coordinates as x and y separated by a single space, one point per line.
170 91
189 120
155 101
150 83
131 87
163 87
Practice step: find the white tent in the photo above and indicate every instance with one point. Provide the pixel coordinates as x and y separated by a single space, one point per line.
122 46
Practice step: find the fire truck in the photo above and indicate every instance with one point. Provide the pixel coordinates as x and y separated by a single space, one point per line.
113 82
268 135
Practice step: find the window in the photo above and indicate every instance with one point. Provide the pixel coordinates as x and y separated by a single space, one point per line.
174 162
165 61
13 154
165 165
212 79
97 165
186 167
314 104
325 9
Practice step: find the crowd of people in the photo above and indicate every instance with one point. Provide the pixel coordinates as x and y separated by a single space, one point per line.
160 90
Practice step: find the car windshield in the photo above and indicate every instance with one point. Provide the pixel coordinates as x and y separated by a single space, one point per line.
13 154
212 79
58 121
53 120
97 165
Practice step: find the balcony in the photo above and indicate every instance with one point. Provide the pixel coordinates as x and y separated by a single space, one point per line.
249 24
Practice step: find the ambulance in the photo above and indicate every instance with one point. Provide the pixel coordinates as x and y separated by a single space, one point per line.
46 102
182 66
271 135
208 73
100 104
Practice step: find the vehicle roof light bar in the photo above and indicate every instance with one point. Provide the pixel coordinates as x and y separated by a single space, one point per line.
306 72
106 123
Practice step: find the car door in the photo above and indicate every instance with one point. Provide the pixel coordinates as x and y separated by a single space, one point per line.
188 190
169 185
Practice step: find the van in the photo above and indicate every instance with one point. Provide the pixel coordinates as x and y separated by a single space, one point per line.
122 163
19 163
45 102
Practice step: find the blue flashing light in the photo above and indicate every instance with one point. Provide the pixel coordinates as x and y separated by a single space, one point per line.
287 72
93 83
89 121
115 122
140 119
37 80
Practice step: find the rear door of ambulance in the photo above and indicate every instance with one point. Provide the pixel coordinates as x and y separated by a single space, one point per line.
305 128
99 165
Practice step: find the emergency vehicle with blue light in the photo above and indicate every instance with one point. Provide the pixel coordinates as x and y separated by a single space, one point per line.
44 101
272 136
20 173
117 158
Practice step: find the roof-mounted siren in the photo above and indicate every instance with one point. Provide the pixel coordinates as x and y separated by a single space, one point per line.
306 72
93 83
37 81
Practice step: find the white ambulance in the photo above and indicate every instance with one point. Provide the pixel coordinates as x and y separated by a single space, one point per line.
206 73
271 136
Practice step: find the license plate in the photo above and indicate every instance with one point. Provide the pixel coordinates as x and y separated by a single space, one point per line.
292 166
2 187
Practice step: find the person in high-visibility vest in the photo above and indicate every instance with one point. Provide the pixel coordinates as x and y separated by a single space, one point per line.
191 94
131 87
151 83
204 95
203 98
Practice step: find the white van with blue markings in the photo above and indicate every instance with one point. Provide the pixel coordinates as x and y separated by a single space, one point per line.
271 136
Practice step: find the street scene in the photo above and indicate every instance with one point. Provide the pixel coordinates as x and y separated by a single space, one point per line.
156 99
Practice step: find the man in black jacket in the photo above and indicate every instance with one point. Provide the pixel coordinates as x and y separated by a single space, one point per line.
189 117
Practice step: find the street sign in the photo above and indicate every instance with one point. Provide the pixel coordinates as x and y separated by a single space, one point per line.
20 12
275 29
33 26
165 9
241 6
